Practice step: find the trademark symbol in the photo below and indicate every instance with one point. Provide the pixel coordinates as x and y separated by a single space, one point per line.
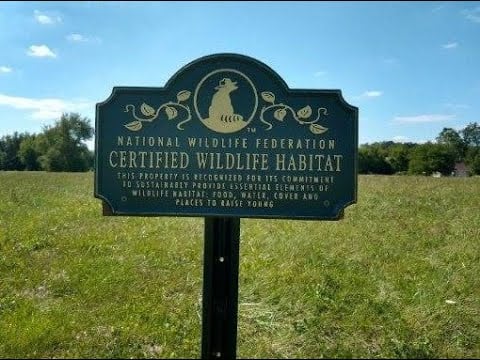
251 130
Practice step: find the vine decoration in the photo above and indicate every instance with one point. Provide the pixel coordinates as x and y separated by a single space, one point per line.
171 111
302 116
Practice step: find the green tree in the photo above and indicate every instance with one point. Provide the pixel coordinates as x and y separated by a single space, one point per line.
9 147
472 159
62 145
372 160
471 134
3 159
452 138
399 156
429 158
29 154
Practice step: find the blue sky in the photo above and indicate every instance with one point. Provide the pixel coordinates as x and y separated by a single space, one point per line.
412 68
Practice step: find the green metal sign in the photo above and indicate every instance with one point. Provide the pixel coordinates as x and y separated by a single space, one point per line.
226 137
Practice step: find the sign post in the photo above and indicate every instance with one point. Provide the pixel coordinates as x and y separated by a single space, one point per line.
220 288
225 139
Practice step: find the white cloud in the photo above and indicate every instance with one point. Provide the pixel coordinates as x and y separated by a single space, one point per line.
320 73
75 37
390 61
368 95
372 93
456 106
451 45
400 138
40 51
438 8
426 118
5 69
44 109
472 14
45 19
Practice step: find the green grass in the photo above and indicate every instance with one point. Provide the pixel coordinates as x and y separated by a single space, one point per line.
398 277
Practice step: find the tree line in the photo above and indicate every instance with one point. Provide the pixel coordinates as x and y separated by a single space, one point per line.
451 147
59 147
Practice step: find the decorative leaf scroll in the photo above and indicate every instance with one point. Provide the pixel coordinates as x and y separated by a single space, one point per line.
302 116
147 110
317 129
174 110
183 95
268 97
134 126
279 114
305 113
171 111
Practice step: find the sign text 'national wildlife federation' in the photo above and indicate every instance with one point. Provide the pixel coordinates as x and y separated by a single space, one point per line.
226 137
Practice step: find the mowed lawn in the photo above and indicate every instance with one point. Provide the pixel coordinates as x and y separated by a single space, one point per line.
398 277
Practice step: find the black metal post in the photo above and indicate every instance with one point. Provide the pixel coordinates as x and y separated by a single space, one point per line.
220 288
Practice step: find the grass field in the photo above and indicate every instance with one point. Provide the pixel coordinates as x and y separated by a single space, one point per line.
398 277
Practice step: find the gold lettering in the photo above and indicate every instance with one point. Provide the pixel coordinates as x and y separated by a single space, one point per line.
142 155
291 164
302 162
159 159
328 164
174 160
133 159
110 159
123 159
280 162
338 158
239 161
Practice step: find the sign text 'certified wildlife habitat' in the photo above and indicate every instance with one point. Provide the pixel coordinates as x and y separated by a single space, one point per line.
226 137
